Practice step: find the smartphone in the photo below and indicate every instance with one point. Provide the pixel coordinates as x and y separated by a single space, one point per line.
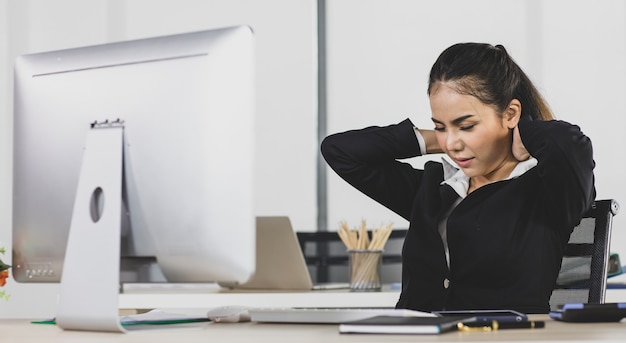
487 315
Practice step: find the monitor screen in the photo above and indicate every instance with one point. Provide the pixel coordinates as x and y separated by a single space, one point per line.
187 106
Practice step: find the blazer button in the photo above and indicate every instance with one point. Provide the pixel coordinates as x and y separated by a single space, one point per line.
446 283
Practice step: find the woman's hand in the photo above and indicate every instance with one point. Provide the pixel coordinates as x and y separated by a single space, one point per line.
519 150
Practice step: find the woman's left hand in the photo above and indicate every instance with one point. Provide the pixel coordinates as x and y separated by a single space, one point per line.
519 150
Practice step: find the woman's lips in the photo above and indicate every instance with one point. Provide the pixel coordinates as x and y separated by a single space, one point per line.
463 162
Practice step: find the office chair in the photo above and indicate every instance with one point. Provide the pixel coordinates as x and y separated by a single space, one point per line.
582 278
326 256
584 269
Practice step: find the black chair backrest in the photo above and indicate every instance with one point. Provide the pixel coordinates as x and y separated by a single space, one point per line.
584 269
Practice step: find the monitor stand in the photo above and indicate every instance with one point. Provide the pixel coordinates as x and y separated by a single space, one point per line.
89 290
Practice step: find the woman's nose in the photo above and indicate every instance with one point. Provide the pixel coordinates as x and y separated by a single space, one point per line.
453 142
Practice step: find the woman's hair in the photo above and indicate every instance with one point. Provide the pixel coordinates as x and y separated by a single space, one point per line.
488 73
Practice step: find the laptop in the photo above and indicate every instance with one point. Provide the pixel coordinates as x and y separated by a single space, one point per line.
280 263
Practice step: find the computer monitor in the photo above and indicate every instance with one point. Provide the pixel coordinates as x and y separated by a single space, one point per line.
187 106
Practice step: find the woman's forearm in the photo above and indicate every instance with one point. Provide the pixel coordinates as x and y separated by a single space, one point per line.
432 146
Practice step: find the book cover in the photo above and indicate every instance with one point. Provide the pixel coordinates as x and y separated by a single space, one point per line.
402 325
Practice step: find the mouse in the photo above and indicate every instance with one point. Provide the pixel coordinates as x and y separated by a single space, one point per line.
229 314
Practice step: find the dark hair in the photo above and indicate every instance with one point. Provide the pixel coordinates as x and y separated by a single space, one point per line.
488 73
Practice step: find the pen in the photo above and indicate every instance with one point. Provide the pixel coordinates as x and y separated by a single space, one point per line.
495 325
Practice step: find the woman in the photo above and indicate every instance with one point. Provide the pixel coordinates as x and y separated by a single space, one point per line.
487 230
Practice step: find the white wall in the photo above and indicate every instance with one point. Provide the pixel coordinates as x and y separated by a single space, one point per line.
380 53
285 33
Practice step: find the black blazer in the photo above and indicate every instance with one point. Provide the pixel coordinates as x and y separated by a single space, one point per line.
505 239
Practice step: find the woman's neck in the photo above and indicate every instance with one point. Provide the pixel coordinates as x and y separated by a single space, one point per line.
501 173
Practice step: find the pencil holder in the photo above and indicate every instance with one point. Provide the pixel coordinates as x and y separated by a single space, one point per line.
365 270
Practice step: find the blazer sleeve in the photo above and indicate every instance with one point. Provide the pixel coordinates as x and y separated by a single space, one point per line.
565 166
368 159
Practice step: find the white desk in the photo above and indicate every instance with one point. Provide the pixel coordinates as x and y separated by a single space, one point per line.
19 330
193 300
615 295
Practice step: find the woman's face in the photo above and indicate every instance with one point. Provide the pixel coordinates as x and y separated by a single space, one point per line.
472 134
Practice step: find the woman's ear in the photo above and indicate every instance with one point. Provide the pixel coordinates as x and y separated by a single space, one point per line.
512 114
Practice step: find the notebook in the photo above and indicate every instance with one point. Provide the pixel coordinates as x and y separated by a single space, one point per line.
280 263
402 325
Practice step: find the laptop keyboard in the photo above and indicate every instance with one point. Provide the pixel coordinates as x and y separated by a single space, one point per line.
325 315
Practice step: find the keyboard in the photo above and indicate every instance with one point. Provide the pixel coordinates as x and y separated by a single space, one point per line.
324 315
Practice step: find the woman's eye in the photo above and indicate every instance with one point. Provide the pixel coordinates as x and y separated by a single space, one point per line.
467 127
439 128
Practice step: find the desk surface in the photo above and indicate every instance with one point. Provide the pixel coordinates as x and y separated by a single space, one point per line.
193 299
19 330
22 331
